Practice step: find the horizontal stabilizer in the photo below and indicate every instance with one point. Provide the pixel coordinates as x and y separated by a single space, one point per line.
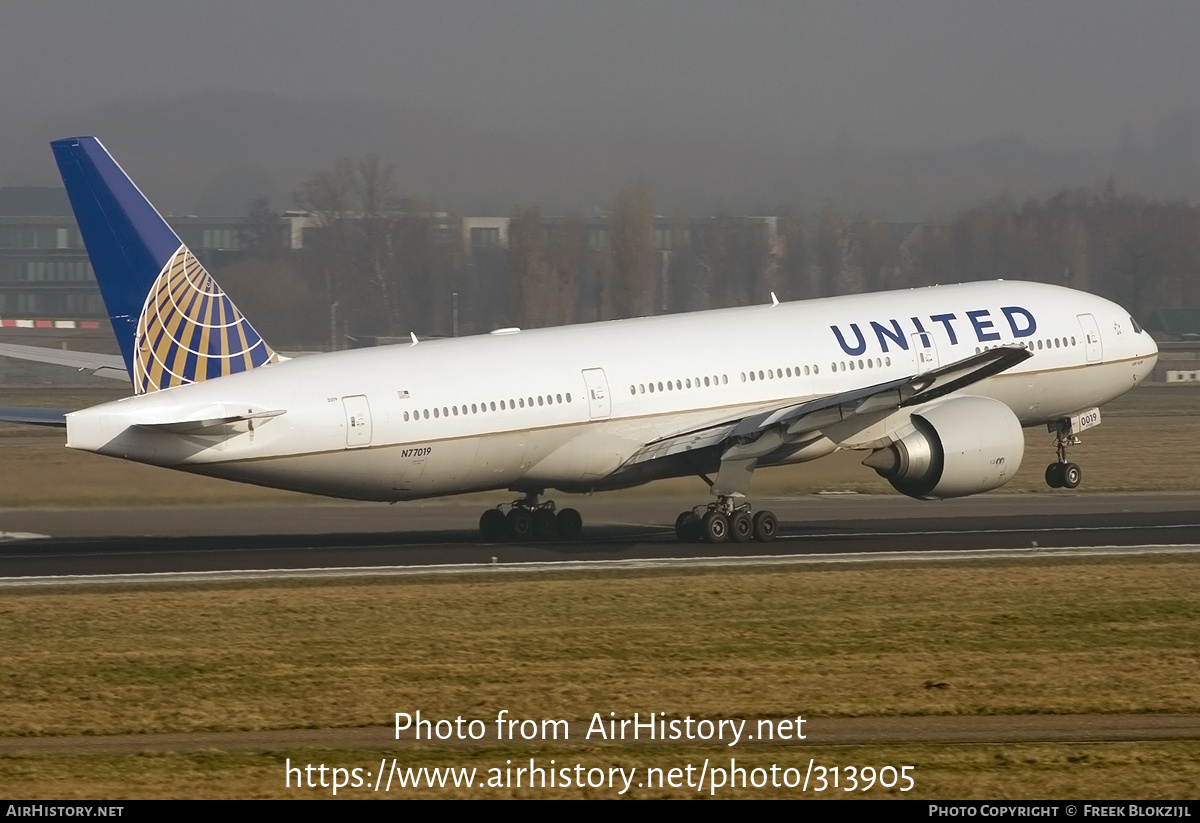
210 423
34 417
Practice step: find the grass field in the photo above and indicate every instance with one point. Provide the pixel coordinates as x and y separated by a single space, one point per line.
1047 636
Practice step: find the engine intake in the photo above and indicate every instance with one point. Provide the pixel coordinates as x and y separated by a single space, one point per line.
959 447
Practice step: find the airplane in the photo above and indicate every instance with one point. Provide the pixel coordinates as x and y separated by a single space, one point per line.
934 385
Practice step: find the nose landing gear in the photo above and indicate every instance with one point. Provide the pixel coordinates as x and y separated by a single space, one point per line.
1063 475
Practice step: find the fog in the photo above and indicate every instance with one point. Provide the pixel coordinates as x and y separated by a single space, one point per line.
897 108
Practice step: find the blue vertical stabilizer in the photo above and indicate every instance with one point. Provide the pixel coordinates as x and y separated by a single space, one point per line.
173 322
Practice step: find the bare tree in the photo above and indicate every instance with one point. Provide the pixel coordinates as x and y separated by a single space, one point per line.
831 249
375 187
631 238
326 197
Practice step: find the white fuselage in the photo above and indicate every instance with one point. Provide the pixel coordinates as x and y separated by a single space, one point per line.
568 407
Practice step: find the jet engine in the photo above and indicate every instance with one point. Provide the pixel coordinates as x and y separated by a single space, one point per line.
961 446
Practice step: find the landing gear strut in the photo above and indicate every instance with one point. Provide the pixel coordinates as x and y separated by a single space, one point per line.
527 519
1063 475
725 520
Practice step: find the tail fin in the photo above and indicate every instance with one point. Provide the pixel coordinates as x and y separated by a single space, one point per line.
172 321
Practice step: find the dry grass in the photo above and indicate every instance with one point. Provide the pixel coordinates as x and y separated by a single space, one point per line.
1057 637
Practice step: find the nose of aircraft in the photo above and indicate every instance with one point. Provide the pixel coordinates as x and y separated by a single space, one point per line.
1147 354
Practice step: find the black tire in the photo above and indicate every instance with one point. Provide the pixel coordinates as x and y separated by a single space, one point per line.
741 527
544 525
687 527
1071 476
714 528
519 524
1054 476
570 524
765 526
491 525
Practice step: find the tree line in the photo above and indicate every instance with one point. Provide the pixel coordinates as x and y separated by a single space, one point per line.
375 265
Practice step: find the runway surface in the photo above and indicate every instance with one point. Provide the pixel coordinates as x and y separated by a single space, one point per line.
86 542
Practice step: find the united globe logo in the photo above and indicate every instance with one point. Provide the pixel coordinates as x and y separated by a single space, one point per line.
190 331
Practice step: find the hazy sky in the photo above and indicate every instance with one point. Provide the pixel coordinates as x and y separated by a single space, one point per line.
1065 74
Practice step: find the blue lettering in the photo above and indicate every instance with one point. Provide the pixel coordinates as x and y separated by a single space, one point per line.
945 319
978 321
926 340
862 344
1030 323
895 335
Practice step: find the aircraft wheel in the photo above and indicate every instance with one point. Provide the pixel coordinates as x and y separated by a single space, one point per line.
741 527
491 525
570 524
1054 475
519 524
1071 475
544 525
714 528
765 526
687 527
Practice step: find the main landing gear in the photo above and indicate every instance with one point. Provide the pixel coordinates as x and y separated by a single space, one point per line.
1063 475
527 519
724 520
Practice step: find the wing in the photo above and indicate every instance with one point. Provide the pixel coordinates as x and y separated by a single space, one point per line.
793 422
101 365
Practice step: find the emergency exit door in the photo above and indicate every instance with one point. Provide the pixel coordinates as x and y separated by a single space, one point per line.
358 421
599 405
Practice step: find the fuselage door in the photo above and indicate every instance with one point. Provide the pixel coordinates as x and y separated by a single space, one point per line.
358 421
926 351
599 406
1091 338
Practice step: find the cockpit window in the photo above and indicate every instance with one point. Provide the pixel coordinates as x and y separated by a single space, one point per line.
1136 328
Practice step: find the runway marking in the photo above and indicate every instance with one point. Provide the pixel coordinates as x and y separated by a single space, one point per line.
658 533
1005 531
593 565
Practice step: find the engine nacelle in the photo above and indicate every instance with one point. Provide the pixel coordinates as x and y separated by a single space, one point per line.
962 446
